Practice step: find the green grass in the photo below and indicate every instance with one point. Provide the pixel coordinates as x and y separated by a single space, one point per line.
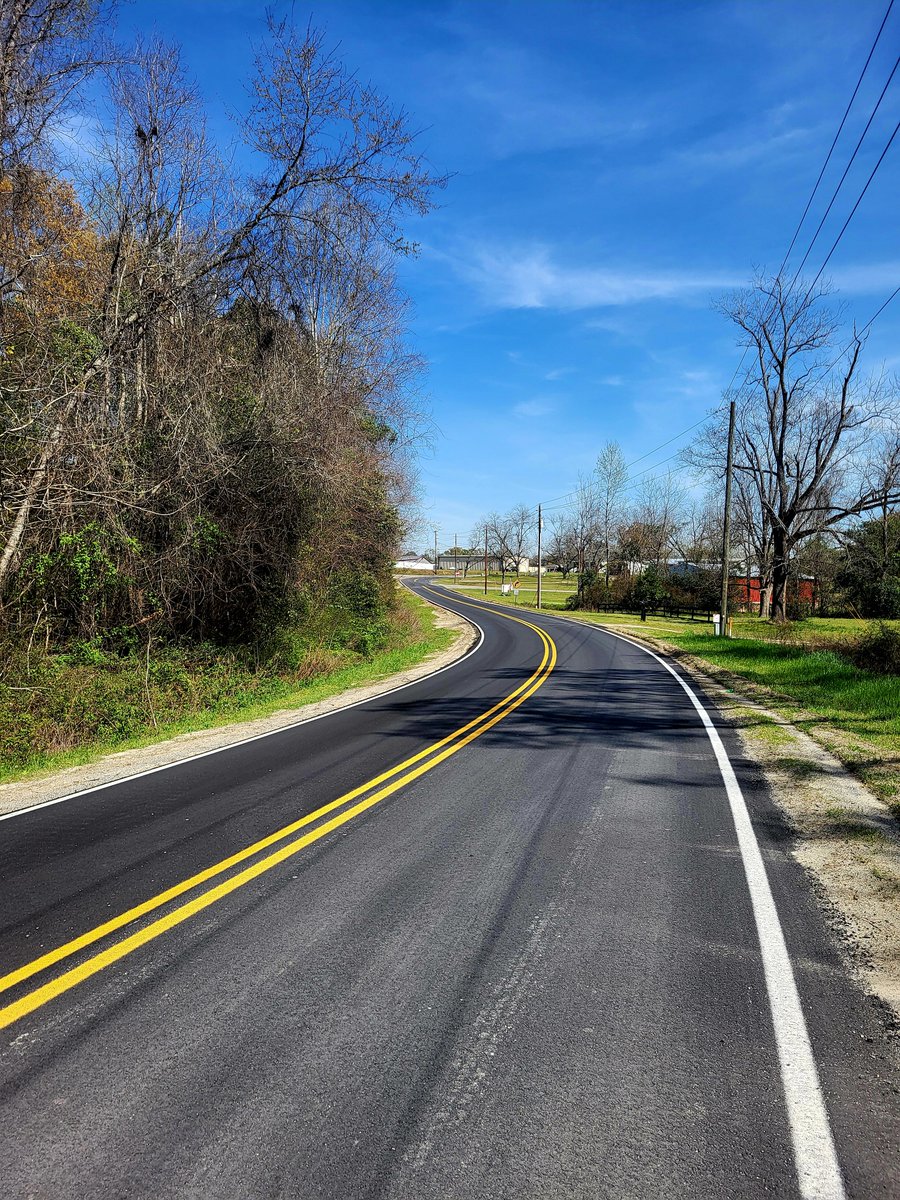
812 631
72 713
815 689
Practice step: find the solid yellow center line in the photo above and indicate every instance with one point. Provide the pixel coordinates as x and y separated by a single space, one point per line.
440 750
27 970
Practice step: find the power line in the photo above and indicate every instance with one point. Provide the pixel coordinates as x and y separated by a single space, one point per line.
812 195
868 325
675 438
850 162
843 229
635 480
822 173
559 501
837 190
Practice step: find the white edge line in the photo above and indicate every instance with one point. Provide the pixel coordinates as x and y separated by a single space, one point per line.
815 1157
256 737
818 1170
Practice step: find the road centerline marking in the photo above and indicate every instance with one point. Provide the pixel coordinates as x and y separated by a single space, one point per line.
414 767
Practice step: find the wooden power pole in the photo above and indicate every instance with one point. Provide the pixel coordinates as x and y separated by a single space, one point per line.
726 525
540 526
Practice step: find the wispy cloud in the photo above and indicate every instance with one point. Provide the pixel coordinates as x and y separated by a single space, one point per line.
523 102
534 408
530 277
863 278
726 152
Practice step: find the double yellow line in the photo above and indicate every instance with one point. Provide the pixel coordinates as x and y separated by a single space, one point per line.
366 796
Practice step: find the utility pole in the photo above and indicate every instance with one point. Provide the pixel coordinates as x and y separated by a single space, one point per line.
540 527
455 555
726 525
435 552
485 559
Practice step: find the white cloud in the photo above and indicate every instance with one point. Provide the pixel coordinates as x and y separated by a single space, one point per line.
533 408
867 277
530 277
727 152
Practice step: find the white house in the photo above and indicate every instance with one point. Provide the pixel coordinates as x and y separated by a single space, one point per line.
408 561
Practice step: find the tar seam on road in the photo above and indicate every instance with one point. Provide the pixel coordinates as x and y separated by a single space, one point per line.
818 1170
446 747
256 737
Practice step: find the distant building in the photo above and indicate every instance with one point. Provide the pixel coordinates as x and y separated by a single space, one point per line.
468 564
752 595
409 561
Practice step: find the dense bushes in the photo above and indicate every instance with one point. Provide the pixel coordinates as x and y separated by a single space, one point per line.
205 395
877 650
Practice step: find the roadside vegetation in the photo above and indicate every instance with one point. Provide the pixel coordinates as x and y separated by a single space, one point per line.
70 706
207 404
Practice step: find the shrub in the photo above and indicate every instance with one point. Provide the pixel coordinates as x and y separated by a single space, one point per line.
877 650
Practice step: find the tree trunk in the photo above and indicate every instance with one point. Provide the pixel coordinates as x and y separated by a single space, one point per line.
35 484
778 611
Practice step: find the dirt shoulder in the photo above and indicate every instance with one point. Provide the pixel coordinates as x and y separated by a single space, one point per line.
111 767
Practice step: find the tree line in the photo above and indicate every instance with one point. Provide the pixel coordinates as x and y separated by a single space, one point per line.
816 482
206 398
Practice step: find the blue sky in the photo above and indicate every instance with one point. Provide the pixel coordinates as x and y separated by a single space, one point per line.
617 165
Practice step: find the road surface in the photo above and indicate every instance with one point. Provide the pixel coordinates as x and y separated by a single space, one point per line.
525 929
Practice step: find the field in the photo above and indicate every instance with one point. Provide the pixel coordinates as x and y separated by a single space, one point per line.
795 669
811 632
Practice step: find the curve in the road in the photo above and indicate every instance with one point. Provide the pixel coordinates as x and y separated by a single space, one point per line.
373 792
818 1171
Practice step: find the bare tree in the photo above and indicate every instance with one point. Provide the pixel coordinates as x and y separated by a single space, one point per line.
656 518
612 477
519 524
494 528
562 547
48 48
804 425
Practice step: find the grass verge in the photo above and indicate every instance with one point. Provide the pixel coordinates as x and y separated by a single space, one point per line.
73 712
854 713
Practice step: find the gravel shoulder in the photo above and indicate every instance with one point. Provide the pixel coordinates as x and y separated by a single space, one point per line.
40 789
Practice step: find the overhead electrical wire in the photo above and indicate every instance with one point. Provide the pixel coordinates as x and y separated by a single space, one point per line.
843 229
840 184
834 142
558 502
857 336
824 167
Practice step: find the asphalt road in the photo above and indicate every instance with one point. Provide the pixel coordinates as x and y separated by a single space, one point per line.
539 960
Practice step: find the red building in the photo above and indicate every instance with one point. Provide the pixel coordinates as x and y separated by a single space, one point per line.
747 591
